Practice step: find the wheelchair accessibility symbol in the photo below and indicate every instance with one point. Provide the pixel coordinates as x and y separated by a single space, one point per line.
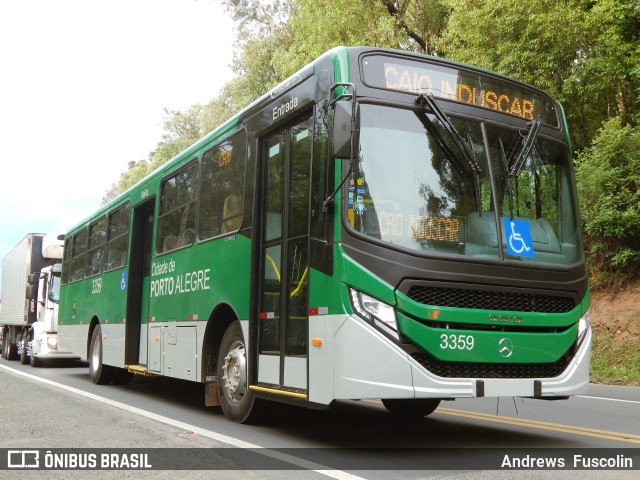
518 237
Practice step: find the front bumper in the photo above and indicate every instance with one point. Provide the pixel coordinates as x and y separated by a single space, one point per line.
365 364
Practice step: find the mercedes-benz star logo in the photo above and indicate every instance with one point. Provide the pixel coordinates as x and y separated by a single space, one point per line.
505 348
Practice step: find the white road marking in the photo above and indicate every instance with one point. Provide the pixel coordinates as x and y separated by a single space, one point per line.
234 442
610 399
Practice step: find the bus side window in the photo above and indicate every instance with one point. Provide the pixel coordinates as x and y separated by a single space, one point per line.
177 220
222 192
97 238
117 238
79 257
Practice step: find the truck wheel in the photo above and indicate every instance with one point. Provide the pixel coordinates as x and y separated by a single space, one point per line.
411 408
100 374
12 351
24 358
237 401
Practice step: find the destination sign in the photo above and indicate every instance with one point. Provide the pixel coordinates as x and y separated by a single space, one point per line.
464 86
422 228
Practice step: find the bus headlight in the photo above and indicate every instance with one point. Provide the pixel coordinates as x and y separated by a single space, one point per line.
374 311
583 327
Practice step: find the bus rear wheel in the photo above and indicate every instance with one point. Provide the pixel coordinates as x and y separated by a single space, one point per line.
100 373
236 400
410 408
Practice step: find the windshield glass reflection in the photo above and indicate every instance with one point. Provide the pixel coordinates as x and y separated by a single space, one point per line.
412 188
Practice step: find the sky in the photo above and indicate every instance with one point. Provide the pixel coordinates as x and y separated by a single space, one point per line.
83 87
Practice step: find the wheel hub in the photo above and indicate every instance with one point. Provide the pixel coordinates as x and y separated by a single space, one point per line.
95 354
234 373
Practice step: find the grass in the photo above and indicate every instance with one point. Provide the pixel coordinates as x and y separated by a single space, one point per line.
613 361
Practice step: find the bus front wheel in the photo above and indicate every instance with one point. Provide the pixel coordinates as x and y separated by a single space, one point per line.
100 373
411 407
236 400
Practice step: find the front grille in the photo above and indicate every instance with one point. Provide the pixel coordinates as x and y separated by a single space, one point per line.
490 300
490 370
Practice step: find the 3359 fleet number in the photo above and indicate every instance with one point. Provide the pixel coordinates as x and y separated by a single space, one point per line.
456 342
96 286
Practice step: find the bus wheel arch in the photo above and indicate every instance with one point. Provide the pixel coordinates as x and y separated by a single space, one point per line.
221 317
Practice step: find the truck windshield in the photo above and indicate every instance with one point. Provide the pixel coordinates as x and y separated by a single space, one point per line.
411 188
54 290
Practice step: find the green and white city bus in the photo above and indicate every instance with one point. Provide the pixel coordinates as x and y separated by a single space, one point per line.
381 225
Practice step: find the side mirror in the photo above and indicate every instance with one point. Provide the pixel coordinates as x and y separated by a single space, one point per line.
31 292
33 278
346 130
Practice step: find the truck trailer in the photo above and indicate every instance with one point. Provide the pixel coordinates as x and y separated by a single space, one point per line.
30 294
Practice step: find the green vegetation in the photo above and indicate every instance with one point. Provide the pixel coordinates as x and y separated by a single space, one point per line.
608 175
616 353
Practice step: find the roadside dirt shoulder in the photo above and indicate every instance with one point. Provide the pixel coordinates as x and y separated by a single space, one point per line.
615 318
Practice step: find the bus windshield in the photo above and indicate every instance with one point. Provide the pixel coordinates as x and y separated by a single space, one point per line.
412 187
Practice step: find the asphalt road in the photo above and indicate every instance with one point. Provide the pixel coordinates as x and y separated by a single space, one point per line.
353 438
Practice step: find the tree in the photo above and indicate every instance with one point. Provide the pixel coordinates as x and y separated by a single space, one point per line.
182 128
135 172
279 37
422 22
523 40
315 27
608 175
580 51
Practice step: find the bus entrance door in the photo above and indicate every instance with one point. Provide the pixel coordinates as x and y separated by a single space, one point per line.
138 287
283 320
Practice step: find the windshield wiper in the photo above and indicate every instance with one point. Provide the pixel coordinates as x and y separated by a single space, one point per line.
515 160
505 161
469 157
430 101
528 143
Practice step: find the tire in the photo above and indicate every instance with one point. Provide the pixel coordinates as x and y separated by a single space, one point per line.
4 346
237 401
12 351
34 361
411 408
100 374
24 358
